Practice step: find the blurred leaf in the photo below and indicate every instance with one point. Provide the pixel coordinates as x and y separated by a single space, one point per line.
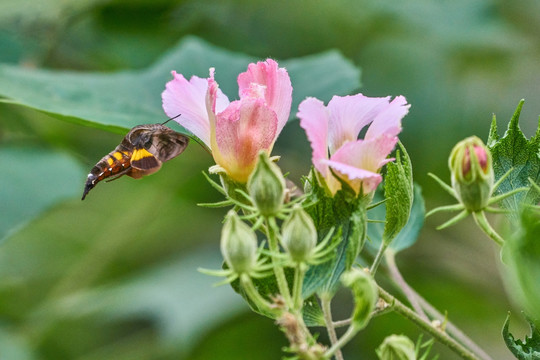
399 195
521 254
180 301
528 350
514 151
121 100
408 234
32 181
50 10
14 347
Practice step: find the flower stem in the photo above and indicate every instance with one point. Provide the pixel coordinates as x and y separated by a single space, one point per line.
273 245
396 275
483 224
299 273
336 347
327 312
251 291
378 259
439 335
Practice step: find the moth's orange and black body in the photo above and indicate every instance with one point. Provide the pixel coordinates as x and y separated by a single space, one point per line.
140 153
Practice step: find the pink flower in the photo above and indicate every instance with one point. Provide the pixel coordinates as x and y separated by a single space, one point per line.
333 133
234 131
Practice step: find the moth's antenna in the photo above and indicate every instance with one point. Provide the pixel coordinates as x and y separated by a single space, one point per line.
171 119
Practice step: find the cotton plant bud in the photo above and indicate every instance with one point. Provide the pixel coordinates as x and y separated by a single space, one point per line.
266 186
472 173
299 236
396 347
238 244
365 294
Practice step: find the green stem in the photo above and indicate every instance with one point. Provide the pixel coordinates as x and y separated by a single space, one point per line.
278 269
299 273
483 224
425 325
336 347
327 312
262 304
378 259
452 329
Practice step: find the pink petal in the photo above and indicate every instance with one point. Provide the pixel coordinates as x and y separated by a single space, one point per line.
314 120
358 179
369 155
388 120
188 99
278 93
244 129
349 114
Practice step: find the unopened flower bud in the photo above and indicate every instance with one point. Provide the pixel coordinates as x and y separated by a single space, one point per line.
238 244
472 173
299 236
396 347
266 186
365 294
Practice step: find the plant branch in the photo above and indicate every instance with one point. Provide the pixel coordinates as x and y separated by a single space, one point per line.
398 278
327 312
439 335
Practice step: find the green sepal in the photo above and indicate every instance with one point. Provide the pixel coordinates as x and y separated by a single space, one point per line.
348 216
399 194
514 152
527 350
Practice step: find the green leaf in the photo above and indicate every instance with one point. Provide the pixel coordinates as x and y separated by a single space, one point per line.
408 234
32 181
528 350
514 151
118 101
399 194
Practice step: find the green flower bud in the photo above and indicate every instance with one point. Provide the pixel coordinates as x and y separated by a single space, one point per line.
266 186
299 236
238 244
472 173
396 347
365 294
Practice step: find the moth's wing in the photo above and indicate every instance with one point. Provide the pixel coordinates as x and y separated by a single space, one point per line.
143 162
168 144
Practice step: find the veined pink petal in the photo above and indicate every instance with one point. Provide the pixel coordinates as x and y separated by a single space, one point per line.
188 99
366 154
349 114
361 160
278 93
388 120
358 179
244 129
314 119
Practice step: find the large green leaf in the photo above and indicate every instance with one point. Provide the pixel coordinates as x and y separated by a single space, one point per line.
121 100
33 180
515 152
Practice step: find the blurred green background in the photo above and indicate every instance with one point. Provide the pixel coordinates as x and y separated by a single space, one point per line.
114 277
